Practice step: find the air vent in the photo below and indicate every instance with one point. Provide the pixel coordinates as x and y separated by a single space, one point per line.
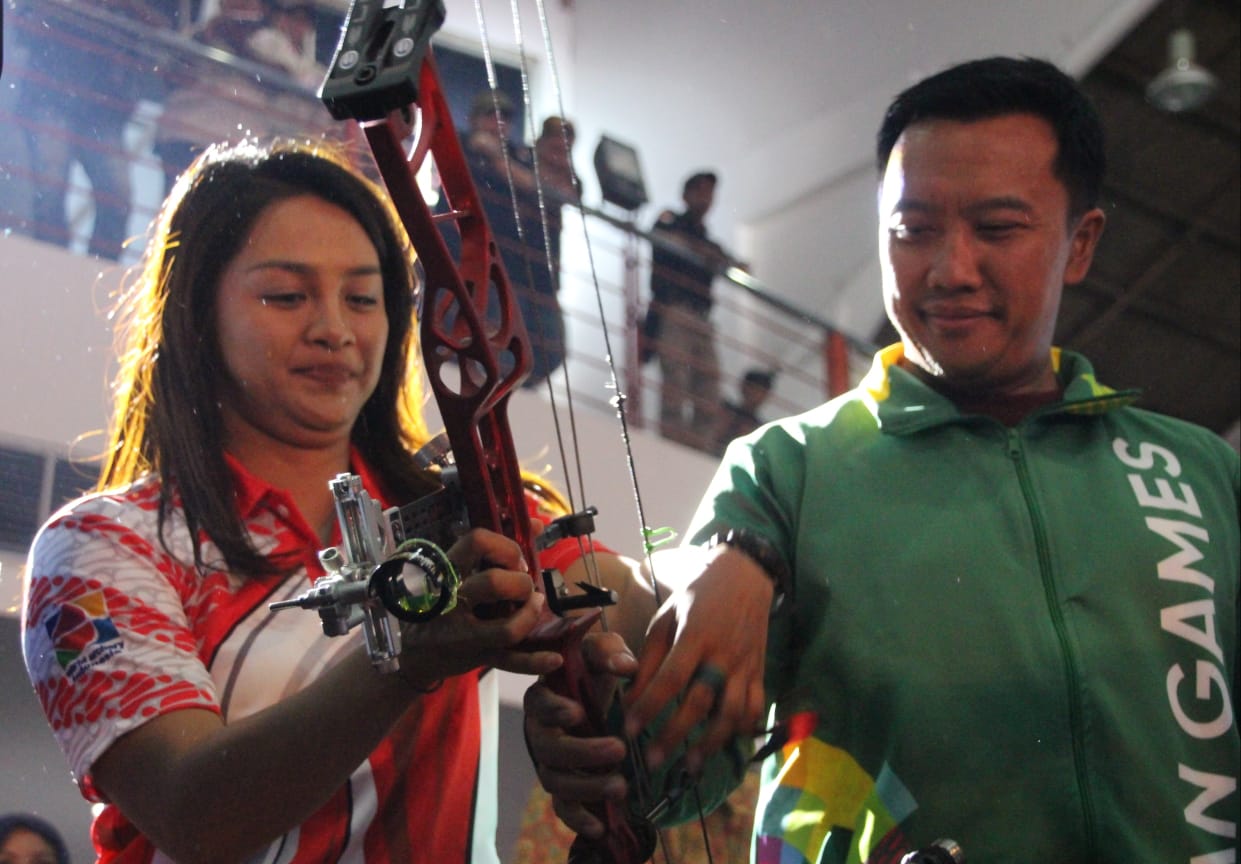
21 490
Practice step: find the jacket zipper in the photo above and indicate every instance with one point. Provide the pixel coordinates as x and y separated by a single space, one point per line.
1017 454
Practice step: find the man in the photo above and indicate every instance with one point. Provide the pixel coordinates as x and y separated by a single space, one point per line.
494 161
1004 601
74 103
553 151
741 417
288 42
677 328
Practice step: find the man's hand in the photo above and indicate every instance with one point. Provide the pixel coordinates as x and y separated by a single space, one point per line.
579 771
706 646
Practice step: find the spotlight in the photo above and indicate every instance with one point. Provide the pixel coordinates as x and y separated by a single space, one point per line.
620 174
1184 85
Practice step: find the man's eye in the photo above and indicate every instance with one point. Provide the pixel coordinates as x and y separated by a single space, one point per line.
997 229
906 231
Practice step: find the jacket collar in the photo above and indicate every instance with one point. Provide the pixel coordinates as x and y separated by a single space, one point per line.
901 403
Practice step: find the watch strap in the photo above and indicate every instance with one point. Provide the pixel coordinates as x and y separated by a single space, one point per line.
762 552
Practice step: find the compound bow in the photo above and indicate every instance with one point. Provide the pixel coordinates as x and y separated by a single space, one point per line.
383 75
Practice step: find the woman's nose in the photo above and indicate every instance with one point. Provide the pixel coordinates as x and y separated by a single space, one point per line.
330 326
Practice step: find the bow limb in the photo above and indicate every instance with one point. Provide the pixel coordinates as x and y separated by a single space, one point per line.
473 341
473 362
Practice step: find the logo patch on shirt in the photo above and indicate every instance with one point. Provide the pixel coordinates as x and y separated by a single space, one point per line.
83 635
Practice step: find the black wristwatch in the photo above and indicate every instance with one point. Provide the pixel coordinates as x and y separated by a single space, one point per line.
762 552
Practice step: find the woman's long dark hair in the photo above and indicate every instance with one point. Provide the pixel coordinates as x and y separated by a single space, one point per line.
167 417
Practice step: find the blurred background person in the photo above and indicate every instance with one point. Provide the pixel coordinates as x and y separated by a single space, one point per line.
77 99
225 99
503 172
677 329
287 41
27 839
740 416
554 157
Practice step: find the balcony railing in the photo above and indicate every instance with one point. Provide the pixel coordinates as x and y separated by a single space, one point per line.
70 54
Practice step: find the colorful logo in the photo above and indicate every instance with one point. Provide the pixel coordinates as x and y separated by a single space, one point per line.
83 635
822 795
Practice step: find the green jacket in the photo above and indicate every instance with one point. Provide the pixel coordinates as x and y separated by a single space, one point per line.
1024 638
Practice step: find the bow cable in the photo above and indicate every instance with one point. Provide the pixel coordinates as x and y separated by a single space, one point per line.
620 400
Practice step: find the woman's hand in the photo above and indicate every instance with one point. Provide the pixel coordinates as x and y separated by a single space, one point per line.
496 609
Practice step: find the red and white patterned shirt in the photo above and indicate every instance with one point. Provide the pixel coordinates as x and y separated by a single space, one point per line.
117 631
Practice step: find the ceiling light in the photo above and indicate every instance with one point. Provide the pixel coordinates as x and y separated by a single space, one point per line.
1184 85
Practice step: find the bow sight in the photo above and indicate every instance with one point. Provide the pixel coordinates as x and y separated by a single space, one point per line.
391 564
388 565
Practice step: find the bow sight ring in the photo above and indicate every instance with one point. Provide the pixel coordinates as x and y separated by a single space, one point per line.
417 583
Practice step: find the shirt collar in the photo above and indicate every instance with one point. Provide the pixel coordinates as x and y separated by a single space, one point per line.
254 494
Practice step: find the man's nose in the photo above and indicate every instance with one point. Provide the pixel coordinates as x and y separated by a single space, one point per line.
956 261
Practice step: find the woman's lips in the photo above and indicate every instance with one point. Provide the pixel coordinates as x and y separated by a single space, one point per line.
330 373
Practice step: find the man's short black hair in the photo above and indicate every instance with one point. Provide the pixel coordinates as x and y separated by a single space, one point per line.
698 177
997 86
760 378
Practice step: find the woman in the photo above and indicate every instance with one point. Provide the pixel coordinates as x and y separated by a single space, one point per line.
268 343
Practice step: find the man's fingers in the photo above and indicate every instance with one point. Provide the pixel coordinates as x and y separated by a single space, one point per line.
578 819
607 652
549 708
650 666
697 705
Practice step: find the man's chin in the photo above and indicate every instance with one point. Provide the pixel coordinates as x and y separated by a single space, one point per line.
949 371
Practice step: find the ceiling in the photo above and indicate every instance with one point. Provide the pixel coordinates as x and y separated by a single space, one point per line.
1161 307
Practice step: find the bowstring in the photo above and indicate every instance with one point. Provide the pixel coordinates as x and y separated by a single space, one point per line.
585 544
494 88
620 400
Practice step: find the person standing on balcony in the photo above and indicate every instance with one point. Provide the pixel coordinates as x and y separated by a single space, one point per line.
287 42
740 417
213 101
677 328
494 159
554 152
75 102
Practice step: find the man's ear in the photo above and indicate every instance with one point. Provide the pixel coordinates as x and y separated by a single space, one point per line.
1086 234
